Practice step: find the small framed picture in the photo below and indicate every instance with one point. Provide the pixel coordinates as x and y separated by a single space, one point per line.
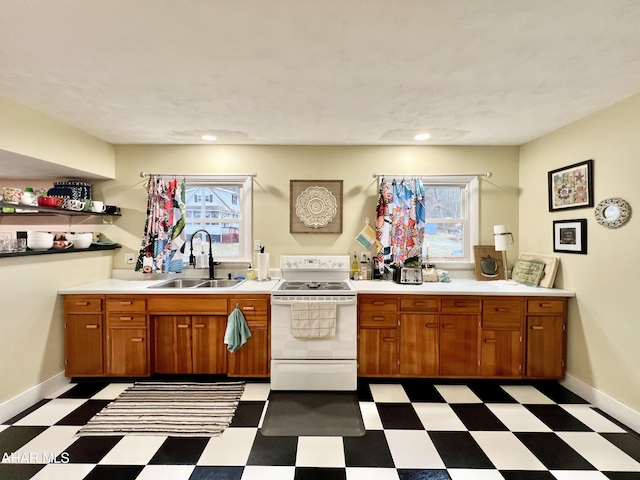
570 236
488 263
571 186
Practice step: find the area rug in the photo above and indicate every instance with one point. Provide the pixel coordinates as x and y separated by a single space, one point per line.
313 414
172 409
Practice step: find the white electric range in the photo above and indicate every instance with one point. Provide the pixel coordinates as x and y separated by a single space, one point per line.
327 363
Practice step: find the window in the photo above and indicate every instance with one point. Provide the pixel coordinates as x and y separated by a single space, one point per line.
452 217
221 205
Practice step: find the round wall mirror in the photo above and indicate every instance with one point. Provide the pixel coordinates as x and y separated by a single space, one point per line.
613 212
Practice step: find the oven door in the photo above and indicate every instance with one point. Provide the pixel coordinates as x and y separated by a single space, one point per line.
341 347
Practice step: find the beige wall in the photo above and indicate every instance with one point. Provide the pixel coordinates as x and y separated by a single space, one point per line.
276 165
604 323
32 342
32 134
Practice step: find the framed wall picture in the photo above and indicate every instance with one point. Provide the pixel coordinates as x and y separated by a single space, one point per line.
570 236
571 186
488 263
315 206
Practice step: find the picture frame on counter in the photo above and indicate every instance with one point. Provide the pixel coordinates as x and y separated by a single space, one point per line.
570 236
315 206
488 263
571 186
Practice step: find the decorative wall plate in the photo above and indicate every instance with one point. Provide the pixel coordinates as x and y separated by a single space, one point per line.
612 212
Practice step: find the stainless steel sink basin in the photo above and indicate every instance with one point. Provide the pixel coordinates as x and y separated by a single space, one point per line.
197 283
179 283
219 283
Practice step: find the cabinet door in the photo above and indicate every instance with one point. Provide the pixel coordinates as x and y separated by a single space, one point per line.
83 345
378 351
459 345
418 344
172 344
209 353
545 347
252 359
127 351
501 353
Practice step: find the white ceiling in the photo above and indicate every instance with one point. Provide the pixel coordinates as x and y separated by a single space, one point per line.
347 72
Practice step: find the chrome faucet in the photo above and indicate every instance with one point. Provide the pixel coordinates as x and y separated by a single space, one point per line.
192 258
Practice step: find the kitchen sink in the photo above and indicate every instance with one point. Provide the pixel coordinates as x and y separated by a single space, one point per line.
197 283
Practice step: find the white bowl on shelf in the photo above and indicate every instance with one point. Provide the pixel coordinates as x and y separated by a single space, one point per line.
39 244
80 240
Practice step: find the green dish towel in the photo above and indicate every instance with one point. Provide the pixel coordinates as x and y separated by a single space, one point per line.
237 332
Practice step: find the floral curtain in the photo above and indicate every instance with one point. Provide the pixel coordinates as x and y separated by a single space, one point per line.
400 220
164 237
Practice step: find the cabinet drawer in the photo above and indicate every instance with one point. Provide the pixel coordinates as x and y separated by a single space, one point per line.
370 319
378 304
76 304
127 320
461 305
545 305
502 314
126 304
419 304
208 304
255 311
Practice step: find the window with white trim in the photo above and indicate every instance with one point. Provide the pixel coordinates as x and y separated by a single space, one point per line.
221 205
452 218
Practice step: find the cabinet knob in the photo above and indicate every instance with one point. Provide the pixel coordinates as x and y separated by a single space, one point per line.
389 339
377 319
431 325
537 327
490 340
183 325
137 340
448 325
126 318
91 326
198 325
126 302
82 304
248 308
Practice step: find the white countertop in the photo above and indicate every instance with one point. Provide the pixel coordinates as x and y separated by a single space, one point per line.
115 286
456 287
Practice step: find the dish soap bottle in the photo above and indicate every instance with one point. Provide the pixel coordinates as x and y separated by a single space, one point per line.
355 268
251 275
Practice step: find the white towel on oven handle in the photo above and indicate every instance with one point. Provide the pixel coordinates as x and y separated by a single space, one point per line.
313 319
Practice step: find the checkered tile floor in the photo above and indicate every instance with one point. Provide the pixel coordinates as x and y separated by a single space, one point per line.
416 430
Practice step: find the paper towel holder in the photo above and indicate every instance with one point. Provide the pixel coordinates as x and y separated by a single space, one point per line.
501 237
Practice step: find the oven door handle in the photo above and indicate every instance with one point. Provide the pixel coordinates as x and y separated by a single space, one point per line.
275 300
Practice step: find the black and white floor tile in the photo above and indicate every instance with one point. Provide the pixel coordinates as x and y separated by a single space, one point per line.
415 430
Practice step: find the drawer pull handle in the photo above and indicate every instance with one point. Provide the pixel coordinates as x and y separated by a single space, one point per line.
130 302
183 325
126 318
501 309
448 325
490 340
419 304
377 319
431 325
249 308
91 326
544 305
82 304
389 339
198 325
378 303
537 327
137 340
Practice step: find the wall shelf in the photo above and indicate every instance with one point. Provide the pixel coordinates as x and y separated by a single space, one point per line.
53 251
39 211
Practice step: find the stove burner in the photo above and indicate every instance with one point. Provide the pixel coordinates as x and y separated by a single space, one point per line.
335 287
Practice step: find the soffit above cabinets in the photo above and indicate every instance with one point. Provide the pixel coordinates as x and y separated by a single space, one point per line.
14 165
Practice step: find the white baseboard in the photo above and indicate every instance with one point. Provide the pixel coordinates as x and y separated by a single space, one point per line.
612 407
18 404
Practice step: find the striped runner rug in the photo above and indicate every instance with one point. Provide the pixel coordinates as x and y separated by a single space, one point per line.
172 409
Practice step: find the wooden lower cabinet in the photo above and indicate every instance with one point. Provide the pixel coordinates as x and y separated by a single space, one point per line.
462 336
378 351
190 344
419 346
251 359
127 351
84 335
459 345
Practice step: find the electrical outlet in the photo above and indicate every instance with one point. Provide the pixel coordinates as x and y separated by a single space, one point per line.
365 257
129 258
256 245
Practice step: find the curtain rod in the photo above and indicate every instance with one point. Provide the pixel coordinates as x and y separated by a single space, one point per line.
486 174
145 174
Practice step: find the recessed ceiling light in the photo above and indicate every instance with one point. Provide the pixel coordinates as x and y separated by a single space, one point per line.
422 136
209 138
